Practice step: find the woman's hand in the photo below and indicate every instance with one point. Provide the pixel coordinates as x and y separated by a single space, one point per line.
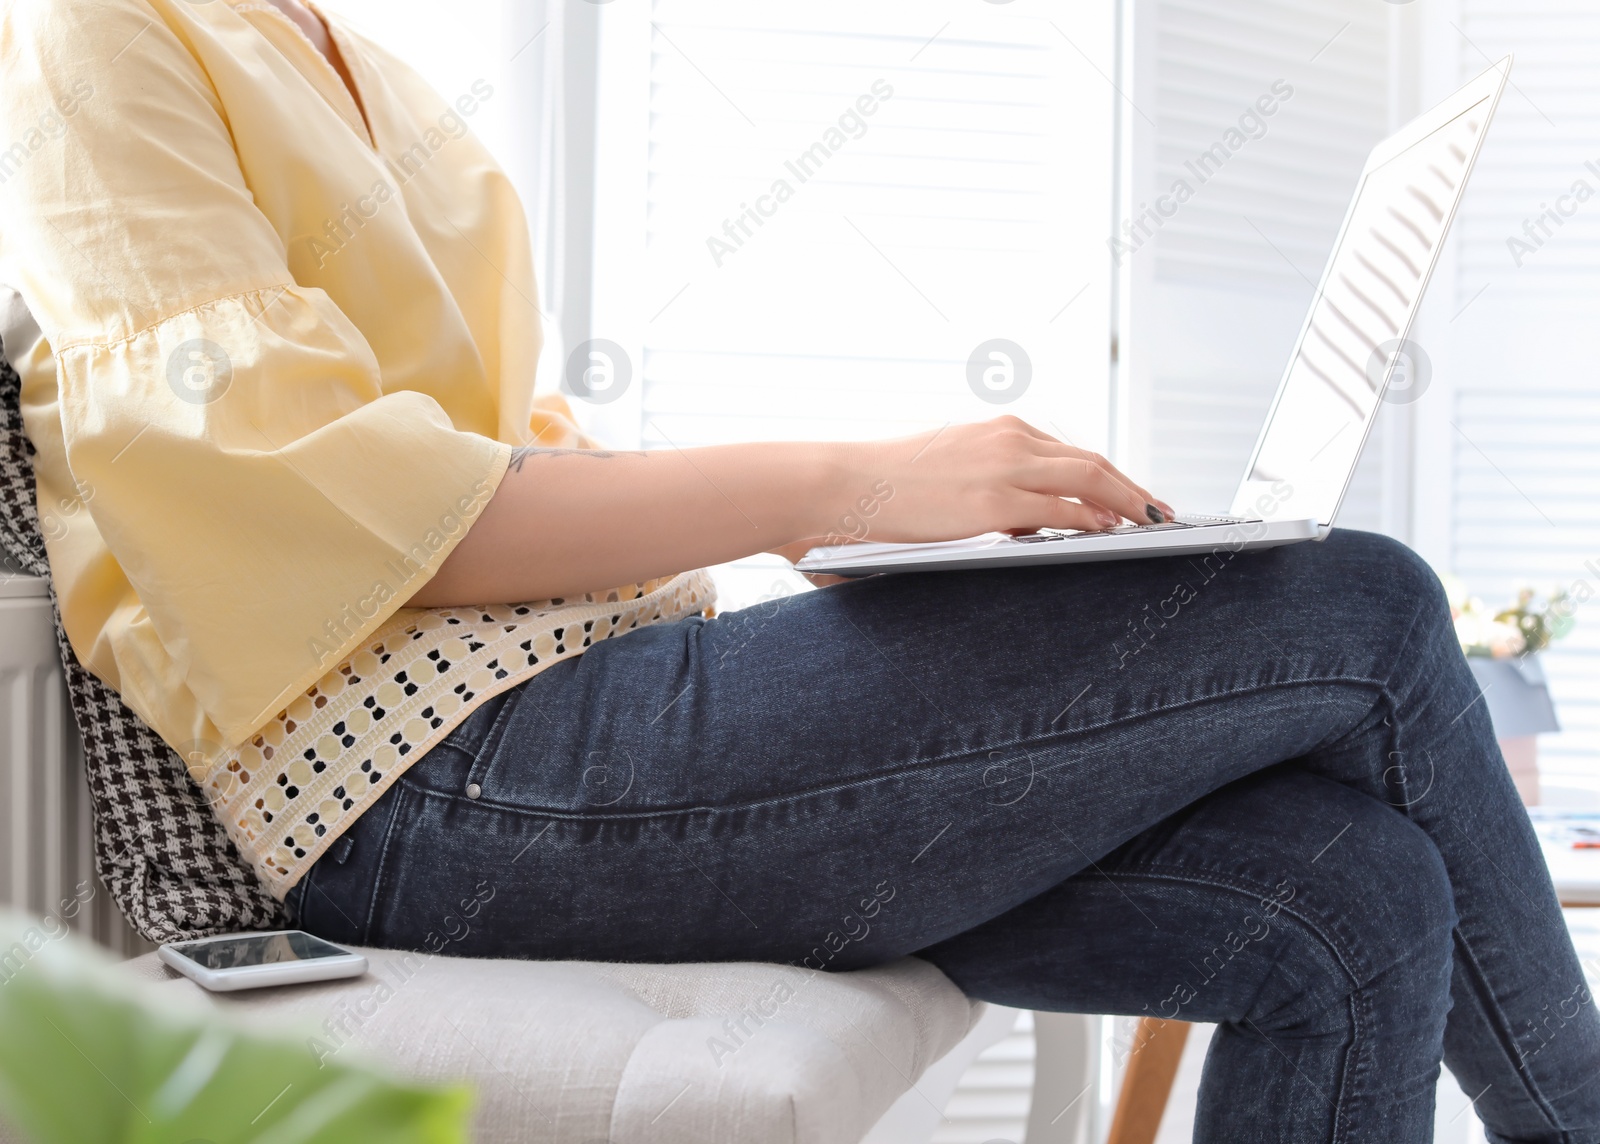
996 476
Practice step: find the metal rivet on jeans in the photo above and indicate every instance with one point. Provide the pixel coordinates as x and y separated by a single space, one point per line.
474 790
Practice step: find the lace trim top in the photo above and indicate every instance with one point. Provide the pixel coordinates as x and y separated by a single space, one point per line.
293 788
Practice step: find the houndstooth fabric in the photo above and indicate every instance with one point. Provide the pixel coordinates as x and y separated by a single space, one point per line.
157 845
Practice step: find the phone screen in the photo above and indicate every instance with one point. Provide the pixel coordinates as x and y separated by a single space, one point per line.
258 949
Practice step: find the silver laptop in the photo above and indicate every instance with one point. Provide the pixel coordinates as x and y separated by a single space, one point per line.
1329 395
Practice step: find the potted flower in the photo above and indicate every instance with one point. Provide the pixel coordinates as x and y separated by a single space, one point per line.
1502 648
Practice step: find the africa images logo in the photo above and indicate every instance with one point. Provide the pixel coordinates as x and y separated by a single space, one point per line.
199 371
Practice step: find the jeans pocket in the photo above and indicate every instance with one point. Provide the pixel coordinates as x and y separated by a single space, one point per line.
339 894
291 900
488 728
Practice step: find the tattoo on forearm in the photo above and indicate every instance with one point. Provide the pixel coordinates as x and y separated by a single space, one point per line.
523 452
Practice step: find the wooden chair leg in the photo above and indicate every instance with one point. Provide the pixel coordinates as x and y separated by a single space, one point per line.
1147 1083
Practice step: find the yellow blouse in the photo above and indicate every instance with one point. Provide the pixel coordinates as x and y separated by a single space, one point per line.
274 352
283 360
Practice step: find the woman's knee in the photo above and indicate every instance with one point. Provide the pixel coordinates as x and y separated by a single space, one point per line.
1373 897
1390 572
1380 579
1357 898
1359 604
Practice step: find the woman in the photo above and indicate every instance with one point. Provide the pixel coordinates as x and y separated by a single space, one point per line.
278 344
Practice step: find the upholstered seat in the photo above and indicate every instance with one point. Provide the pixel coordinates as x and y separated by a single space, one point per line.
604 1053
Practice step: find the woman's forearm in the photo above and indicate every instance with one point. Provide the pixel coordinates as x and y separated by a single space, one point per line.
564 522
567 521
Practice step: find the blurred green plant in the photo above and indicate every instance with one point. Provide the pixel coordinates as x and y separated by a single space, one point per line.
90 1056
1528 625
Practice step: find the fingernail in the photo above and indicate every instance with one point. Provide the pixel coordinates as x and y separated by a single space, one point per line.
1154 514
1106 519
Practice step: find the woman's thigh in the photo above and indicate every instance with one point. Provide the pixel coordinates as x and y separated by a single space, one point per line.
861 772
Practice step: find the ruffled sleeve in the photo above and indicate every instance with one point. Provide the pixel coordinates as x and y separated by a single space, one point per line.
266 500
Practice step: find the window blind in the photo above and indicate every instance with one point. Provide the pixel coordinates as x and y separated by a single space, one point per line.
840 208
1291 184
1525 507
1263 112
1525 235
995 1094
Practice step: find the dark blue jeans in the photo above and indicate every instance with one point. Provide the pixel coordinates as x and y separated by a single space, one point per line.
1255 789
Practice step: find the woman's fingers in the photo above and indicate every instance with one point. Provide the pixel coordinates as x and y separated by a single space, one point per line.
1050 447
1141 494
1053 512
1108 518
1084 479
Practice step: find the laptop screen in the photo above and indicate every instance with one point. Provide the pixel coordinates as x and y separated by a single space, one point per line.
1351 347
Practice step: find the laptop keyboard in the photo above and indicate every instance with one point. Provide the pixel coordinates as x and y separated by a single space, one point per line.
1189 520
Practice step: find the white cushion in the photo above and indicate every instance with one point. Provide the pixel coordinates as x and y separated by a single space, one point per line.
609 1053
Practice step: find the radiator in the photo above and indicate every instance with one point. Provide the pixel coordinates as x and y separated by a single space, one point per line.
46 865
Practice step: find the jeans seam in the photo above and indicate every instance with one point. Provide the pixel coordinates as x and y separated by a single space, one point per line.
1351 1068
382 869
1497 1020
1477 980
300 889
1494 1015
1405 642
975 754
1187 875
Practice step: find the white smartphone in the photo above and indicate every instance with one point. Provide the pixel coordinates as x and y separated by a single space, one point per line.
257 960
